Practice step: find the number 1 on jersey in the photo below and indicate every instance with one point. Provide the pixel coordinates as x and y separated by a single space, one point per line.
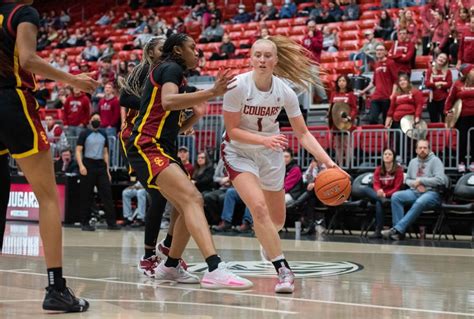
259 123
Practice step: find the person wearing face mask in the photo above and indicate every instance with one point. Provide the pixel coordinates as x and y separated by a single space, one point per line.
92 154
288 10
271 13
242 16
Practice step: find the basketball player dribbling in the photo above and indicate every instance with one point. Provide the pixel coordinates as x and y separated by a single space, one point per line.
152 153
23 137
253 146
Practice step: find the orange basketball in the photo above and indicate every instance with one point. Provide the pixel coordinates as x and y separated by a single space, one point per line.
332 187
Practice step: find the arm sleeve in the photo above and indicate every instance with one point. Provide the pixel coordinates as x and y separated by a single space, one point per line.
452 96
397 183
292 106
234 99
428 82
438 177
419 100
129 101
25 14
449 80
377 184
170 72
391 110
82 138
293 177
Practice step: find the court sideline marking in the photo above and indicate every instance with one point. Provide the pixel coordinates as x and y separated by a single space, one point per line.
341 303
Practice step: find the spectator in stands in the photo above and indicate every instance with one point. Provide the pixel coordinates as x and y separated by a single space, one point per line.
333 14
109 110
134 58
62 65
63 39
108 52
106 18
203 173
316 12
76 39
242 16
226 49
403 53
106 70
351 12
458 27
407 21
367 52
264 34
213 33
330 40
466 45
406 100
43 42
343 94
66 164
387 179
56 137
143 38
288 10
293 184
313 41
307 202
136 190
52 34
231 199
426 178
92 154
463 89
183 154
384 79
441 32
212 11
64 19
126 21
90 52
389 4
88 35
76 113
122 70
271 12
259 13
439 80
99 92
214 200
385 27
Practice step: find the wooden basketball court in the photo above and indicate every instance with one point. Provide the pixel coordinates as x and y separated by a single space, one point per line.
335 279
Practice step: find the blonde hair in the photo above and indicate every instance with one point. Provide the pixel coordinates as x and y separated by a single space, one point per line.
399 89
294 62
133 84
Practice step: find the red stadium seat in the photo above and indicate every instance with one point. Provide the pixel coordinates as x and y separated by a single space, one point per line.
298 30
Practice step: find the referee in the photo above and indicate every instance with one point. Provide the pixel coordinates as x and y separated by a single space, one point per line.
92 154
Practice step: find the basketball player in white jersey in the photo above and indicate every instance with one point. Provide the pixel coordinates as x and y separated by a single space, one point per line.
253 146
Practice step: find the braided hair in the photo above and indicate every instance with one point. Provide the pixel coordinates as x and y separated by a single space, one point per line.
169 54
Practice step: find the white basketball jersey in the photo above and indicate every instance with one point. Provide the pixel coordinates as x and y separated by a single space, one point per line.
259 110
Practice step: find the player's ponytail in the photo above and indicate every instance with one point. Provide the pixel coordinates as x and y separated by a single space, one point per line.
294 62
133 84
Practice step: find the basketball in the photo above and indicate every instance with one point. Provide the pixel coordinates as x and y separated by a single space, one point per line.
332 187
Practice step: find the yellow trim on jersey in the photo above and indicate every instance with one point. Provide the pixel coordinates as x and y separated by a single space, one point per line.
124 149
16 66
147 114
163 152
34 150
162 124
3 152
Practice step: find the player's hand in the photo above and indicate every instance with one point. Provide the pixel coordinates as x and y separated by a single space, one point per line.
83 170
335 166
224 82
276 142
85 83
188 132
310 187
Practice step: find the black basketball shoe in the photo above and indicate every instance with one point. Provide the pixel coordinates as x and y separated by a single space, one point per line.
64 301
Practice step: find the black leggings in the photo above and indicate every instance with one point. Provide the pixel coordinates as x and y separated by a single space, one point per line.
436 111
4 194
463 124
153 216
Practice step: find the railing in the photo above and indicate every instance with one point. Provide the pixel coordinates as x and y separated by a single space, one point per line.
470 147
359 149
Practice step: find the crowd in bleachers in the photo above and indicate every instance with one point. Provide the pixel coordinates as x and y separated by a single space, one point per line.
345 37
